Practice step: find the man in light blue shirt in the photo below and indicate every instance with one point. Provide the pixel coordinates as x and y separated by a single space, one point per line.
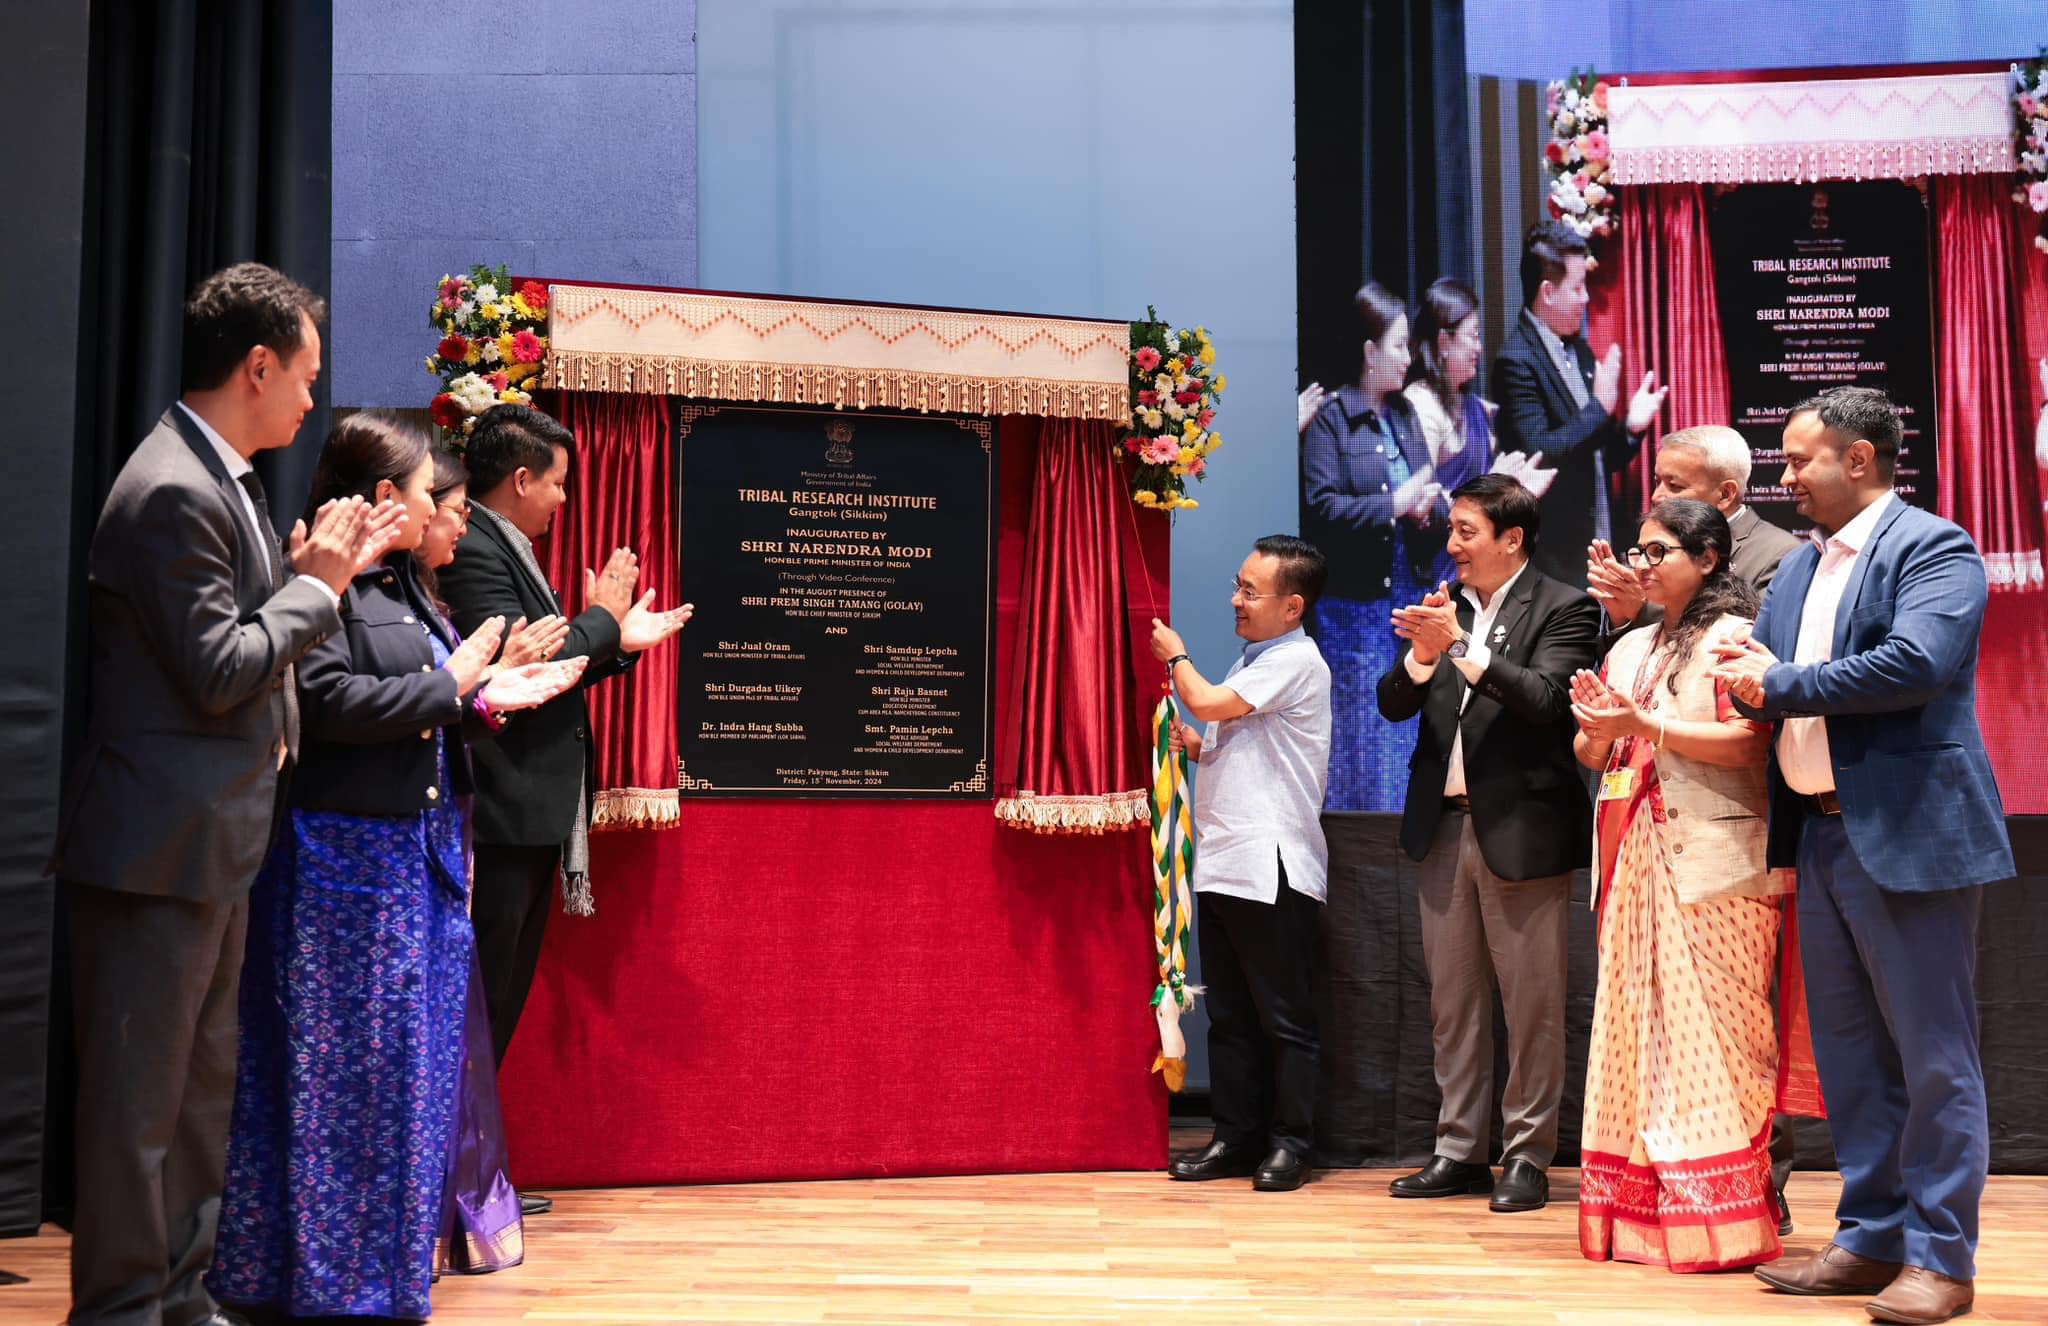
1261 865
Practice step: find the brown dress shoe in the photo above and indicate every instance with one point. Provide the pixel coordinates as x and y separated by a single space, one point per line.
1832 1270
1920 1297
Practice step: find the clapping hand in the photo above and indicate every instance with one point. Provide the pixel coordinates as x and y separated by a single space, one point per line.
1416 499
470 662
1525 469
1644 405
1744 661
533 642
1607 379
644 628
1431 626
347 538
532 684
1613 583
1605 715
1305 405
612 589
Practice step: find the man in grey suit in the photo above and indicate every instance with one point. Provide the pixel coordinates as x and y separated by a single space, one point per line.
196 618
1708 464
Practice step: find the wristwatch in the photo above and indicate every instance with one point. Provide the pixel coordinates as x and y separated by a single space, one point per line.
1459 647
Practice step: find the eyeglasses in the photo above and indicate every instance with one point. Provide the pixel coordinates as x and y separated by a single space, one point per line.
1240 590
1652 553
460 509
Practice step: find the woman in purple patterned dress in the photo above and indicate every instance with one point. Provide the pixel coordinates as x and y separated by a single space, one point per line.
355 982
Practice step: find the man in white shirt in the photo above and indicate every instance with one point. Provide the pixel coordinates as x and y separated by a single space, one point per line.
1883 797
1499 818
1261 865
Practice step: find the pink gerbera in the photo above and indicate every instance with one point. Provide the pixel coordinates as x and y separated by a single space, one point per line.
1148 358
526 348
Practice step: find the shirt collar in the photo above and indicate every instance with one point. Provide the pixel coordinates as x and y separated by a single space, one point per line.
1472 595
1551 340
237 464
1253 650
510 530
1357 406
1856 534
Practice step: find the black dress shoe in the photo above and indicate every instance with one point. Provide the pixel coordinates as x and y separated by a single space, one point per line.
1522 1187
1280 1172
533 1203
1218 1160
1444 1177
1784 1211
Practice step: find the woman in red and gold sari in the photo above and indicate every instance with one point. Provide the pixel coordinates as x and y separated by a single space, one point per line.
1681 1078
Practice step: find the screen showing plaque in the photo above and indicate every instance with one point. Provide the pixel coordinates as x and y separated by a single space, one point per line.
1825 285
842 565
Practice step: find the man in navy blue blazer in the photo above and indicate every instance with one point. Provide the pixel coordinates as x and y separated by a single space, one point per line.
1865 653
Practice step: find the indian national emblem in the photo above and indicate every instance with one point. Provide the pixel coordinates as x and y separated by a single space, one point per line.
839 433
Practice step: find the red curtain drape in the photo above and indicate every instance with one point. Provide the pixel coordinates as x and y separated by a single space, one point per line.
1654 293
1073 754
622 493
1988 482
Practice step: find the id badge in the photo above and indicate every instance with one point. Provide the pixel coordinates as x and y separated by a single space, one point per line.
1618 785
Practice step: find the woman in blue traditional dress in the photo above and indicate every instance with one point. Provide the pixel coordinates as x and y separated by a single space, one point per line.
1455 425
1364 476
355 984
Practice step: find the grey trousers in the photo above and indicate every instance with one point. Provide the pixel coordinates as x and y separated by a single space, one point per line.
1479 930
154 981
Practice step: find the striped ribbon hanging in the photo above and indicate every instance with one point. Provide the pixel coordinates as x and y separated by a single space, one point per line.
1173 860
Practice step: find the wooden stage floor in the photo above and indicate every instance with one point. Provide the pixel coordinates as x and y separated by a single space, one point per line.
1112 1248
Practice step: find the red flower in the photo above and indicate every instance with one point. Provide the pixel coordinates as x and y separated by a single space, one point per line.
1556 212
1148 399
535 294
1186 397
446 412
1134 445
452 349
526 348
1553 152
451 291
1205 418
498 381
1148 359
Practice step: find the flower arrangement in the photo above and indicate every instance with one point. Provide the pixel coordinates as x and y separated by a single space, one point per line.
1174 387
493 339
2030 109
1581 188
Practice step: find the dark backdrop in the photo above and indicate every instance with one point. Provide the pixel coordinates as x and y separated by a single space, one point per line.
155 142
1382 164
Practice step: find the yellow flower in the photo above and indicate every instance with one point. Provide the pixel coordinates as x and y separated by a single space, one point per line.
510 396
475 355
1153 418
1215 441
520 372
1218 384
1190 430
433 367
522 308
1145 497
507 349
1175 365
1179 470
1188 455
1208 355
1189 502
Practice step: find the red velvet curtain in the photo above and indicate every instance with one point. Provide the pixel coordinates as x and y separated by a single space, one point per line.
1073 753
622 493
1988 479
1660 303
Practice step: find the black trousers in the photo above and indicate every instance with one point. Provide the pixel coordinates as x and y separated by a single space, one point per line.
509 906
154 982
1258 969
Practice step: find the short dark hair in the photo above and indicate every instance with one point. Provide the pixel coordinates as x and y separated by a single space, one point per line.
449 471
509 437
237 309
1544 250
1302 568
1377 307
1859 414
1504 502
1445 305
364 448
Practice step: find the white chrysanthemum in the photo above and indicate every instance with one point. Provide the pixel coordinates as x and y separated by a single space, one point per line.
473 394
487 293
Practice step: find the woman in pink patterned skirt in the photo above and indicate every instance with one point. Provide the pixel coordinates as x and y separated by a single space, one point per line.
1682 1074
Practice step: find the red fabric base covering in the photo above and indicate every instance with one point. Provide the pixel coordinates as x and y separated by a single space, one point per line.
818 990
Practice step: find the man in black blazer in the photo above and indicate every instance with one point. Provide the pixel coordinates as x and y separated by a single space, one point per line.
197 618
1557 403
1499 818
533 782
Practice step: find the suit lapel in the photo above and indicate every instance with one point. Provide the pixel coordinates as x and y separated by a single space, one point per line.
252 572
1788 592
1504 637
1858 571
1560 390
489 528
